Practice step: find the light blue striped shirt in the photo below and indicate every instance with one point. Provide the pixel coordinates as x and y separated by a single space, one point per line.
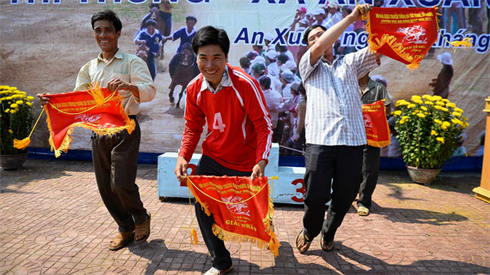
333 107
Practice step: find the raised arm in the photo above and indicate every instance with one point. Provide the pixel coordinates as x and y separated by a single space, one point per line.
332 34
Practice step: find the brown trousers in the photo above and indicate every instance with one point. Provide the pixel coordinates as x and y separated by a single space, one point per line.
115 160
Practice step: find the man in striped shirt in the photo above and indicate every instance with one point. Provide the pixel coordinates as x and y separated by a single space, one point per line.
239 127
335 132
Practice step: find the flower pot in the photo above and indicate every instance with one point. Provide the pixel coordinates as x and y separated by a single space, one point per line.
421 175
13 162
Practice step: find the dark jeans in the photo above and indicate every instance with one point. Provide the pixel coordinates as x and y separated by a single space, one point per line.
115 160
329 167
220 256
370 171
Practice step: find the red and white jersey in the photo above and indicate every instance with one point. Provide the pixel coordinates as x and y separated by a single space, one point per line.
239 130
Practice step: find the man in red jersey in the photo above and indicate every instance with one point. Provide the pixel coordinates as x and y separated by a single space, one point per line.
239 134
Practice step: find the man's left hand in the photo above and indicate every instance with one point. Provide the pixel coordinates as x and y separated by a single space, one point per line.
117 84
258 170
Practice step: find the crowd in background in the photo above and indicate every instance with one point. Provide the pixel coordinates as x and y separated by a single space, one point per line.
275 66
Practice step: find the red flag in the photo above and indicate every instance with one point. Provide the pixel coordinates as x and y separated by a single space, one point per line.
404 34
79 109
242 208
376 125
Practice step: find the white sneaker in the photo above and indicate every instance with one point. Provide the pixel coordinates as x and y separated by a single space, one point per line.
215 271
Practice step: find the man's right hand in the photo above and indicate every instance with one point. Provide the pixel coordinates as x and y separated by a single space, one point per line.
43 99
359 11
181 169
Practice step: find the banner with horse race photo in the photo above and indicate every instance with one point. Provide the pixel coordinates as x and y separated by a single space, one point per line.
45 43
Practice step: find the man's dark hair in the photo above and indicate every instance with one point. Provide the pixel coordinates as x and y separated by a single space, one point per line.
154 5
108 15
309 29
151 22
265 81
210 35
190 17
281 49
244 62
283 58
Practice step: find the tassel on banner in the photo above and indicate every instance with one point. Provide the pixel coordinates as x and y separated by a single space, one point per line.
96 93
193 236
465 43
22 144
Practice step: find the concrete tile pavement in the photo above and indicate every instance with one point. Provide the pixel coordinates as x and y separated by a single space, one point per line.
52 221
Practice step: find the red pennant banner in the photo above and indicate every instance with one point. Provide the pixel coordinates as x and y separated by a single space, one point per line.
242 208
376 125
79 109
404 34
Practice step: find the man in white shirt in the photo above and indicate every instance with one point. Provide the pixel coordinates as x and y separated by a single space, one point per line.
335 133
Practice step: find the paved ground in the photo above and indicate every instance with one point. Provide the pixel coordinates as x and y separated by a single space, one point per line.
52 221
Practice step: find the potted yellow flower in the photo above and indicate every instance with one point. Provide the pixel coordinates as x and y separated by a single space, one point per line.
16 116
428 129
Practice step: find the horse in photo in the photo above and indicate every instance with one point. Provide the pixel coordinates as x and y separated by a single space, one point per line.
182 68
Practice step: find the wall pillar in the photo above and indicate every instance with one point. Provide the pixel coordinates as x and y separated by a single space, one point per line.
483 192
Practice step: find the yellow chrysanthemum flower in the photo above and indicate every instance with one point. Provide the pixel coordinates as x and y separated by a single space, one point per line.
445 100
450 105
411 105
456 114
426 96
30 97
423 108
14 106
418 101
416 97
401 102
459 110
12 111
397 113
436 97
438 107
10 131
29 103
438 121
444 109
420 115
19 102
428 103
7 110
440 139
434 133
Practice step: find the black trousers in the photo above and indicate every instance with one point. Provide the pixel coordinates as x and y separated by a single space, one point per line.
220 256
370 171
115 160
336 168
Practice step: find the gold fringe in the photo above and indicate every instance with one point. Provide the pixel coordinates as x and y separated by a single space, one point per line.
204 206
378 144
22 144
414 65
238 238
